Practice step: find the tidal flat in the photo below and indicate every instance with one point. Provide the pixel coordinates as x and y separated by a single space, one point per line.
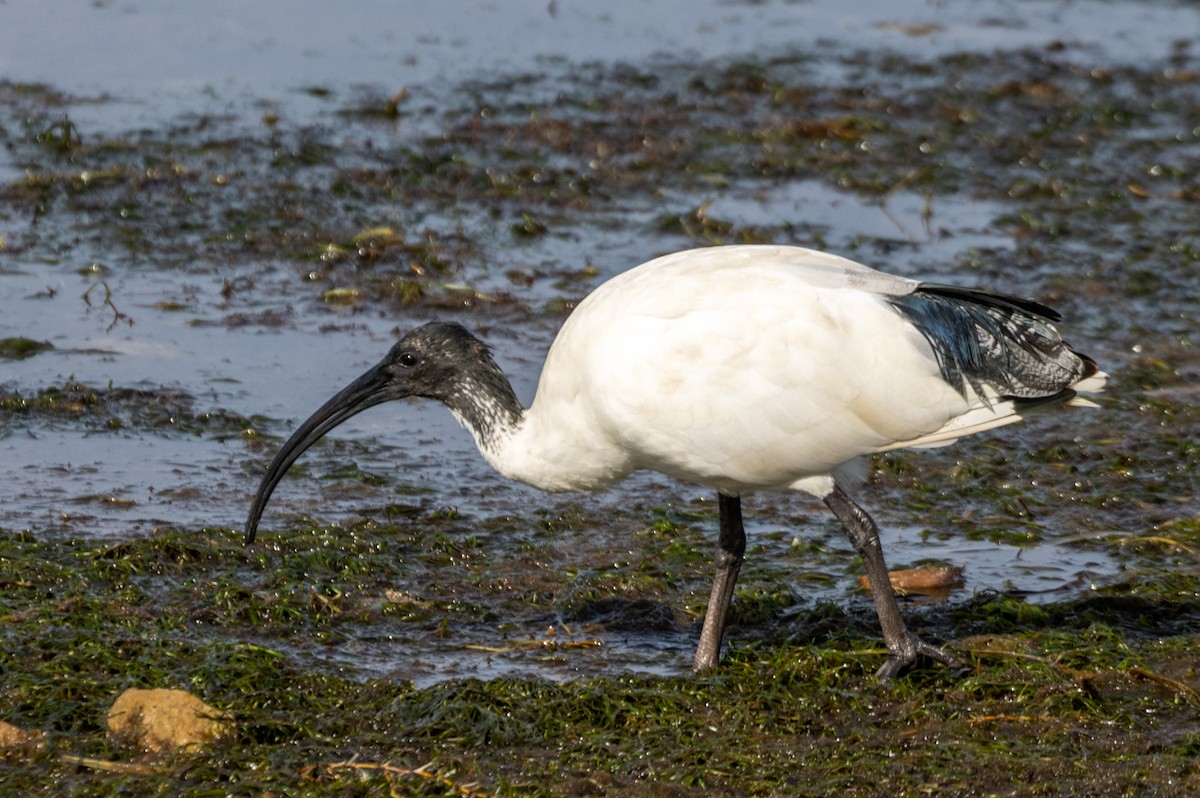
179 292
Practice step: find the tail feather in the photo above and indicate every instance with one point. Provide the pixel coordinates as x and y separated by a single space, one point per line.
996 345
998 414
1002 348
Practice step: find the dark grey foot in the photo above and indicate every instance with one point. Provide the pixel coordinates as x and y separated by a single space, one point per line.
904 648
908 654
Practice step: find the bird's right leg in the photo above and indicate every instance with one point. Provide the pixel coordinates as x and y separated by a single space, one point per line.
903 646
731 550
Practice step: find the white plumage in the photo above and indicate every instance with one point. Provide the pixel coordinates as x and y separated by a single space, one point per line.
740 368
743 369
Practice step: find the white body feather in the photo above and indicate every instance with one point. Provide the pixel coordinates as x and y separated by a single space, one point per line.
740 368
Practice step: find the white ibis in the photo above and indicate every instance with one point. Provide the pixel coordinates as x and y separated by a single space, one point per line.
741 368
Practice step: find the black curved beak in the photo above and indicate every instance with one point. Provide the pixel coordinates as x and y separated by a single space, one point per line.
372 388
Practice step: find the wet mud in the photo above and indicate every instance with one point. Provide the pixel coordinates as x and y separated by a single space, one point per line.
180 292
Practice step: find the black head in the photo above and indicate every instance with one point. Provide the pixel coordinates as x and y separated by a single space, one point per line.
433 361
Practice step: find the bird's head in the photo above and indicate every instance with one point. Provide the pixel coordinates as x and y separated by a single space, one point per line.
434 361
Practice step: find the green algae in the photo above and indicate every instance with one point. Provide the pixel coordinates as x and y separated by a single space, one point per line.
112 408
1094 694
21 348
1109 680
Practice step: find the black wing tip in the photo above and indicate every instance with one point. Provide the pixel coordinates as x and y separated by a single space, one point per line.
1090 367
1030 402
1002 301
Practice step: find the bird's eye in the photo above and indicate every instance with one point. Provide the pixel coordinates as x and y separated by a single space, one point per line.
407 360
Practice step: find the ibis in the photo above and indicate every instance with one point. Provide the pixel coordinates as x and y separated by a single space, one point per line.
741 369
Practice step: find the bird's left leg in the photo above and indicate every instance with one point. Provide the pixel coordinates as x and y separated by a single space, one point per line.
731 550
903 646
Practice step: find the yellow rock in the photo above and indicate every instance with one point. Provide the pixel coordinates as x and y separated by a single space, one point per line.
165 720
14 739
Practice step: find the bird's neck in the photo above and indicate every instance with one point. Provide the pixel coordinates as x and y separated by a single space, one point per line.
529 447
487 406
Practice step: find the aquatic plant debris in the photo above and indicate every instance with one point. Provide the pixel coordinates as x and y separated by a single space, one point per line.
21 348
396 617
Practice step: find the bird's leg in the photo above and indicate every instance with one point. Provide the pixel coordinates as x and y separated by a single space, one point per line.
903 646
731 549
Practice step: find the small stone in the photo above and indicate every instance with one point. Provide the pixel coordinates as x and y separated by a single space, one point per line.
14 739
165 720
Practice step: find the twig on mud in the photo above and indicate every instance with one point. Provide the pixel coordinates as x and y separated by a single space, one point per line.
1179 687
465 790
117 314
926 214
1082 677
1160 539
1014 719
135 768
1188 693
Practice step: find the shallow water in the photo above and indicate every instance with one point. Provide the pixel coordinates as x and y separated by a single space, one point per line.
162 59
223 67
641 641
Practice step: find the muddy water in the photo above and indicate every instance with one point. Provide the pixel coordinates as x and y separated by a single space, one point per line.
246 338
151 63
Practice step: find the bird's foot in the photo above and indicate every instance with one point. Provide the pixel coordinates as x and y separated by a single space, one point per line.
905 655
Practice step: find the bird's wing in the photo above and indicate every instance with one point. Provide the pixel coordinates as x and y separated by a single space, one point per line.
759 367
815 268
759 381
